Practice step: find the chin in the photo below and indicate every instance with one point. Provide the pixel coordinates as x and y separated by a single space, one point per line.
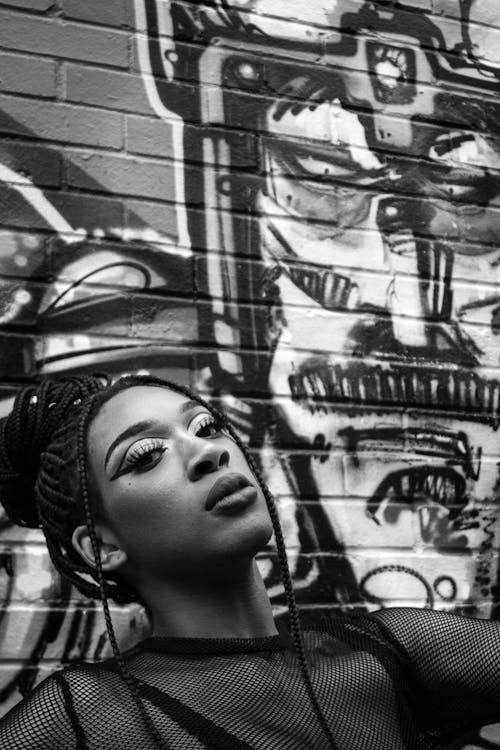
249 537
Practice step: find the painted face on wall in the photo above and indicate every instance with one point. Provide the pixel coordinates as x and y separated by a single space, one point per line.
393 213
381 219
377 153
375 215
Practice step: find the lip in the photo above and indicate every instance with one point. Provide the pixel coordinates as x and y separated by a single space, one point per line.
224 486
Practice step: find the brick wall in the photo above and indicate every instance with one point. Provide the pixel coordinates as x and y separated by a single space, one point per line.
294 207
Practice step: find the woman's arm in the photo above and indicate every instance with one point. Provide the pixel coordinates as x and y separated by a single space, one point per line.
41 720
455 659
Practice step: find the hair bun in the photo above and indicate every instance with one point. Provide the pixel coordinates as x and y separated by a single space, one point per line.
38 412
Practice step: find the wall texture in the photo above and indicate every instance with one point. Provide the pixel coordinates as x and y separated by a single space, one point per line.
294 207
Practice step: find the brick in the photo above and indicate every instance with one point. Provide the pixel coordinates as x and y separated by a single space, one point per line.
70 349
243 146
176 97
106 88
82 212
120 357
291 19
34 76
411 584
22 254
41 165
115 13
167 270
386 147
17 212
60 122
121 175
366 381
106 314
148 136
402 586
246 371
169 279
336 581
434 103
244 226
314 330
19 303
253 281
68 40
40 6
87 622
100 214
165 320
154 137
143 217
352 515
17 356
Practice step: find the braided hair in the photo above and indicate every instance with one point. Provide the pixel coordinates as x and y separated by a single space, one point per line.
45 483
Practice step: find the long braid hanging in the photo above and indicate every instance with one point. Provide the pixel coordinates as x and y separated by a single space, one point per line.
296 629
129 679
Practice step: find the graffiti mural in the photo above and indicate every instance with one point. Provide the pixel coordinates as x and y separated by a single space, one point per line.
324 260
350 162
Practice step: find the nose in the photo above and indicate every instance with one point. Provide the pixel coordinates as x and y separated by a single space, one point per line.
207 458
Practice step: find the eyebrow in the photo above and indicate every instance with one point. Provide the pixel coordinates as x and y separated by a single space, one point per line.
147 424
134 429
188 405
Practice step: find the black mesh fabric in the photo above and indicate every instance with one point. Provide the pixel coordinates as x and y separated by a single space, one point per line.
397 679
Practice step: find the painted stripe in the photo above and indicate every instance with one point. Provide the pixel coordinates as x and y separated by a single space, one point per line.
165 114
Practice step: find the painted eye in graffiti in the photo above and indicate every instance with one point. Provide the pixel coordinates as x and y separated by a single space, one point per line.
317 167
437 485
297 93
339 144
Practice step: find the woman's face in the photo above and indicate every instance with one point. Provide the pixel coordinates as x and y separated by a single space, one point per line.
178 495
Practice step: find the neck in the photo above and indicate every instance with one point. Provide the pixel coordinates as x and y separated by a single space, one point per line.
235 606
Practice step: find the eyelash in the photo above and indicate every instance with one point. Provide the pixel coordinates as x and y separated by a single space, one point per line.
207 420
136 459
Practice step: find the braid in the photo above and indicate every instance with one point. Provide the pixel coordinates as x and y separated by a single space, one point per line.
293 611
129 679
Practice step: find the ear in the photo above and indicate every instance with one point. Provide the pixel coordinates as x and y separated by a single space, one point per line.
112 556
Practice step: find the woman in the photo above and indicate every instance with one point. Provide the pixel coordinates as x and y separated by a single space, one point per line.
145 493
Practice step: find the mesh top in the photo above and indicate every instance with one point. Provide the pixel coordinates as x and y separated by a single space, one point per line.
395 679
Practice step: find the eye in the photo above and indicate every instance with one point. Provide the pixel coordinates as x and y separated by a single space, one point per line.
206 426
142 456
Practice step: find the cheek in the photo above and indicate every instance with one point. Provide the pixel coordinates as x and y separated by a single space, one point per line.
141 511
238 458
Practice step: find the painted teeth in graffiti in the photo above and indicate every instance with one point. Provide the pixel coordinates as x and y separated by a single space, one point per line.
362 191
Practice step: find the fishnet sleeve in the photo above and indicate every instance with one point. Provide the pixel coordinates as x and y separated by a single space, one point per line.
455 660
42 720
